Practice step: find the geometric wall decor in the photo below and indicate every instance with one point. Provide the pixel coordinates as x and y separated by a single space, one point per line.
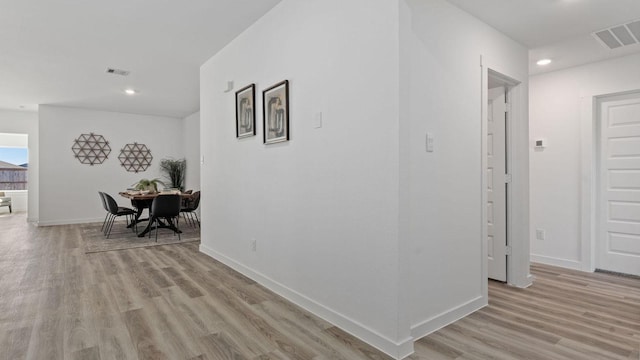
135 157
91 149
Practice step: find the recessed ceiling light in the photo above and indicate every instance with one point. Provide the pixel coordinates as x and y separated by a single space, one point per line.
544 62
130 91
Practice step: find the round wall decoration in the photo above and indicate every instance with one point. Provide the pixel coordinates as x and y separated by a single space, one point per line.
91 149
135 157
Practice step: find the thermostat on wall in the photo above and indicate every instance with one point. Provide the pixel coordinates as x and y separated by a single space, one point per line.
541 143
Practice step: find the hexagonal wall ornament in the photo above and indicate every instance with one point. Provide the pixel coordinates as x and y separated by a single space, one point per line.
91 149
135 157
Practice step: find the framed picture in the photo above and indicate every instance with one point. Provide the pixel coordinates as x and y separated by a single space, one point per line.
245 111
275 113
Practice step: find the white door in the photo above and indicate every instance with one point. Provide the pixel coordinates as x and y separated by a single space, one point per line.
619 182
496 187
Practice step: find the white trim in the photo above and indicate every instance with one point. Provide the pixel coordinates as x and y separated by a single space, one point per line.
437 322
565 263
397 350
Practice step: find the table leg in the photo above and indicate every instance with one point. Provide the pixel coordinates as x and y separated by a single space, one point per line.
148 228
139 205
161 225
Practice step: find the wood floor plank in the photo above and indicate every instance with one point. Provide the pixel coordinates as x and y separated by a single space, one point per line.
15 343
146 344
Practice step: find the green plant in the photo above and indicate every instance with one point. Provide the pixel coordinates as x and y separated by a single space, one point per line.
146 184
174 171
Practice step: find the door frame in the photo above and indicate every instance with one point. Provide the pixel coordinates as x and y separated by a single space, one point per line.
517 138
591 192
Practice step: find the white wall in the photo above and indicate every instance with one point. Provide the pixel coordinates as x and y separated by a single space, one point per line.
22 122
191 145
561 112
354 221
442 48
322 207
69 189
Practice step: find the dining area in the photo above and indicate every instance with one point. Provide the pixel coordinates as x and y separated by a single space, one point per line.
152 211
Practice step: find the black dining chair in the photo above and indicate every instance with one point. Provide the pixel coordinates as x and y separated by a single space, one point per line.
166 207
116 211
189 208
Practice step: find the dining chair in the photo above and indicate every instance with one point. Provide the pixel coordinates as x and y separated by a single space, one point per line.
166 207
189 209
117 211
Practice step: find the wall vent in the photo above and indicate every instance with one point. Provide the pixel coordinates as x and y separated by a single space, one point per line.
117 71
619 35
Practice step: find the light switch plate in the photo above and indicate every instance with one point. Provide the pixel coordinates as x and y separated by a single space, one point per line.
429 141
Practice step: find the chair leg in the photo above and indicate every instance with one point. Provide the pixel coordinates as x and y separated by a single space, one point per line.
196 217
108 231
104 222
106 226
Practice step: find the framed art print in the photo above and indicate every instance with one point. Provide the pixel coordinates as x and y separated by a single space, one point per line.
245 111
275 113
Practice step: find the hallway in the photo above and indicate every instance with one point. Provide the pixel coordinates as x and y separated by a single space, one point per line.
171 302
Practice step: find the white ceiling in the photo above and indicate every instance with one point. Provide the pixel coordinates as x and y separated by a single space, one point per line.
56 52
557 29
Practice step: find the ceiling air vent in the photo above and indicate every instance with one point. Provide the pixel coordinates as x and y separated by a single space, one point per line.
117 72
620 35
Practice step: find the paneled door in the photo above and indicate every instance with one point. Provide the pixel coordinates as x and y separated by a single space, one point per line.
496 187
618 243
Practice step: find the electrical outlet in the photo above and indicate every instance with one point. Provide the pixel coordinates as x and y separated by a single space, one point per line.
540 235
254 245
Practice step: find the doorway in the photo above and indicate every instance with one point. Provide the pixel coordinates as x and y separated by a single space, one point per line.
498 177
618 183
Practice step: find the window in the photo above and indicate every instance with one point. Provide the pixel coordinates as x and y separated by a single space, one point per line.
13 168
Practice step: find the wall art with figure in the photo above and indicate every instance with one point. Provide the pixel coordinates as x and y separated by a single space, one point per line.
275 106
245 111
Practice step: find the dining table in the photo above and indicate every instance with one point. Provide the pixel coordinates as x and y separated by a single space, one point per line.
143 200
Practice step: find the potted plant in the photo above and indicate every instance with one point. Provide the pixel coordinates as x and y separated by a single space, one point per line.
148 185
174 171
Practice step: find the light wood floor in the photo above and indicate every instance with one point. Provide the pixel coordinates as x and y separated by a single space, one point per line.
171 302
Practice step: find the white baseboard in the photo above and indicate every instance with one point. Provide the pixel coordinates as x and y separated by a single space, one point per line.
565 263
437 322
397 350
69 222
